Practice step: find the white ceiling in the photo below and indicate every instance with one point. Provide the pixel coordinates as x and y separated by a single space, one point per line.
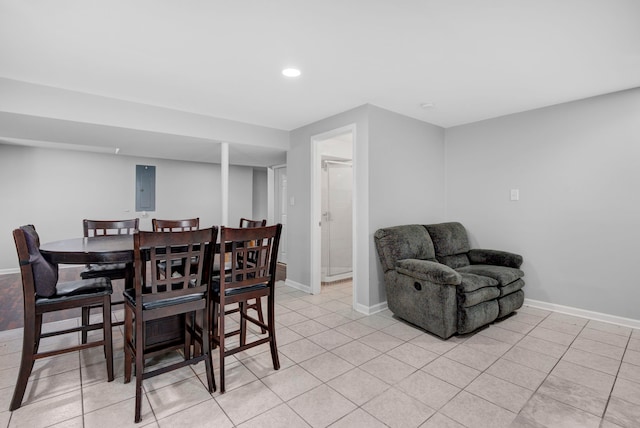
473 59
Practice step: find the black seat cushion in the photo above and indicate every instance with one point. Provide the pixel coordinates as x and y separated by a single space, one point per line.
130 295
78 289
215 286
45 274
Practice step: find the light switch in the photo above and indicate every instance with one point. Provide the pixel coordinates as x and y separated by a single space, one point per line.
292 201
515 194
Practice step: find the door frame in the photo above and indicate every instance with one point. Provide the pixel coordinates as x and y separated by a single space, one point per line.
316 207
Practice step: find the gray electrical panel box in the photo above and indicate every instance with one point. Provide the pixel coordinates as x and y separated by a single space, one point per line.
145 188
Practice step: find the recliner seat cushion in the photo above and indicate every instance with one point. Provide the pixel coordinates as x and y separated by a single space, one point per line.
504 275
472 298
472 282
511 288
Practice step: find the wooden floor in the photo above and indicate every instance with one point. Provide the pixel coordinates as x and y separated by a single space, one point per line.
11 296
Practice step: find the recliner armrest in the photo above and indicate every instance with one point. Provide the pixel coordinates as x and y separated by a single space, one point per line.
427 270
479 256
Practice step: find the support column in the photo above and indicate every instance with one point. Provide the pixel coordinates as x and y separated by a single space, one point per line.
224 180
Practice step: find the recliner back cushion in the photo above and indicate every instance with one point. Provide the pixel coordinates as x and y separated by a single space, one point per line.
451 243
403 242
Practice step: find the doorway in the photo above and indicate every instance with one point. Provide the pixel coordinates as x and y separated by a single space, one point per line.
332 248
336 223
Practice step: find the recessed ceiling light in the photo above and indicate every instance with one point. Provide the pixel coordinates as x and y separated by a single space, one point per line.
427 105
117 150
291 72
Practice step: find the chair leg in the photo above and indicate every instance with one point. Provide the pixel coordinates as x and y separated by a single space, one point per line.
106 331
213 327
220 333
258 306
38 332
206 350
243 322
86 313
189 323
272 334
128 335
30 341
139 367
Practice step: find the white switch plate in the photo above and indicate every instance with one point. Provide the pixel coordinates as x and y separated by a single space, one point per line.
292 201
515 194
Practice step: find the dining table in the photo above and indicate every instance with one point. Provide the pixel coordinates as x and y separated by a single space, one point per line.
160 333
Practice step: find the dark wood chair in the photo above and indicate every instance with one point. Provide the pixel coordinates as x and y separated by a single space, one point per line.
245 281
40 279
156 297
113 271
175 226
257 303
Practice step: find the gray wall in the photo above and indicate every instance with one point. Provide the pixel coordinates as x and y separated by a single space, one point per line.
406 184
399 178
56 189
260 194
577 222
299 187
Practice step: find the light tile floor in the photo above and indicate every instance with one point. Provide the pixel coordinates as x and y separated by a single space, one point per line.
342 369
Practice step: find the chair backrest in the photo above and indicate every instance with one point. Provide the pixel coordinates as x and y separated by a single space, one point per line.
451 243
93 228
28 284
39 277
154 249
257 245
245 222
175 225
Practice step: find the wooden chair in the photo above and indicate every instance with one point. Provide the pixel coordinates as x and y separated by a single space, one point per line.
244 281
257 303
175 226
156 297
40 279
113 271
245 222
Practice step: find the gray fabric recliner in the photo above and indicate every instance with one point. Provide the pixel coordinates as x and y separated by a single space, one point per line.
434 279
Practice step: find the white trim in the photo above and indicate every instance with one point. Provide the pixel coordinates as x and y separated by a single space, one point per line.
297 285
315 200
370 310
582 313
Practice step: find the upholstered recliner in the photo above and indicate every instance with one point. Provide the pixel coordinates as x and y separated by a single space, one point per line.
434 279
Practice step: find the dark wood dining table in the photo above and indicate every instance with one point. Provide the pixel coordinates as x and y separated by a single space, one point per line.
104 249
112 249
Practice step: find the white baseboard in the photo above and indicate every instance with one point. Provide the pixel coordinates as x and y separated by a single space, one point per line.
297 285
367 310
370 310
582 313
